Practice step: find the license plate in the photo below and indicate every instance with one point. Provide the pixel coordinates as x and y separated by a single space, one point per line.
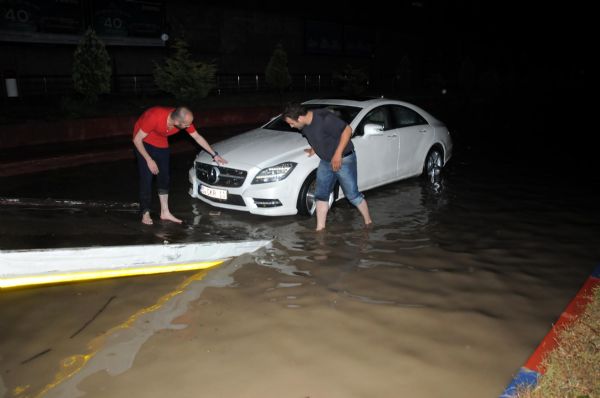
213 193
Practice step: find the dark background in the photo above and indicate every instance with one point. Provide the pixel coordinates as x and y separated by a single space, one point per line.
510 75
458 44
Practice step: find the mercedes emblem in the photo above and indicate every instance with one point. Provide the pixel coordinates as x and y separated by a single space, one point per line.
213 178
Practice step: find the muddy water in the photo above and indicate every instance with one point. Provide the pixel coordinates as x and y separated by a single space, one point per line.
446 296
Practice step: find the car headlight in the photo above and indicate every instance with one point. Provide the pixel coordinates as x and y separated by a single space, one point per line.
274 173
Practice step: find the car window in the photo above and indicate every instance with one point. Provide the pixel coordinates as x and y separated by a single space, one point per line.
378 116
344 112
404 117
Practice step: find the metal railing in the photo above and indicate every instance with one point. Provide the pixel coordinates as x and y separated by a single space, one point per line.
53 85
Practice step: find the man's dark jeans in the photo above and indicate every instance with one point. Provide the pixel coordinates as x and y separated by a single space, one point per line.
161 156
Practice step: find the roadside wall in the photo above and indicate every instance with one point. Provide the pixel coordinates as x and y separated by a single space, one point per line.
37 132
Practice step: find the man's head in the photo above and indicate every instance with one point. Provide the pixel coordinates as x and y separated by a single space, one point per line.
296 116
182 117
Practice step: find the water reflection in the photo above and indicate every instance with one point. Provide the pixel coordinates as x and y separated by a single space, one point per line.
404 215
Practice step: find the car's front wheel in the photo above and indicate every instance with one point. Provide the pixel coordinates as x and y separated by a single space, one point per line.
307 203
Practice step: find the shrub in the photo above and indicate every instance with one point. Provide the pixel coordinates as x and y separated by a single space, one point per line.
91 67
354 81
187 80
277 74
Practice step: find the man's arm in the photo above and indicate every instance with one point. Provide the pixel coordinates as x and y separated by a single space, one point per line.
139 144
206 146
336 160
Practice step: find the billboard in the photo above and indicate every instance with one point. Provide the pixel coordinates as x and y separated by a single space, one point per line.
331 38
117 22
128 18
42 16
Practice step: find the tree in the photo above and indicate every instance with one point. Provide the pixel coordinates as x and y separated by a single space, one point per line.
91 67
187 80
354 81
277 73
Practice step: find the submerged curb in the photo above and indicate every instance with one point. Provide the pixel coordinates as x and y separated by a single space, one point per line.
23 268
528 374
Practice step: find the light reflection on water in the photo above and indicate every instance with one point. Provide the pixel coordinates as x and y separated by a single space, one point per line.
463 225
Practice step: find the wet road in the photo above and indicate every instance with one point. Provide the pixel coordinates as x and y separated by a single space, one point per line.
455 286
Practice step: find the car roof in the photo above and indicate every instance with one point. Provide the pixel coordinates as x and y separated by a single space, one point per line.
361 102
369 102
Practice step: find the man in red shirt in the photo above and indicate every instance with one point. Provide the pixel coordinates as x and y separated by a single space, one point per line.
152 151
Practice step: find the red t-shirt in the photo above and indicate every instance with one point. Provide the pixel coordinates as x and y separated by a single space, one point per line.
154 123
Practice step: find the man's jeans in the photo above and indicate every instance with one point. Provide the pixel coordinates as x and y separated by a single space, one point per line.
161 156
346 176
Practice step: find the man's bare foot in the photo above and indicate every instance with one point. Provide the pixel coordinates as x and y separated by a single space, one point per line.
170 217
146 219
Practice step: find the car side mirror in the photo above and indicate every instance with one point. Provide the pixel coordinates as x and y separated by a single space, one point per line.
373 129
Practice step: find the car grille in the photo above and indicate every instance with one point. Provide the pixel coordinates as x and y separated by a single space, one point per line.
219 176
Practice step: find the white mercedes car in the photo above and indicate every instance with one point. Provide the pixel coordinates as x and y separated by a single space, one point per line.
270 174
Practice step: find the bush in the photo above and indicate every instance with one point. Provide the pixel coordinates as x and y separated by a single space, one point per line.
277 73
353 81
187 80
91 68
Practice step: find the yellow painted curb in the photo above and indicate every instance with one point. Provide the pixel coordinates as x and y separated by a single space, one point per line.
65 277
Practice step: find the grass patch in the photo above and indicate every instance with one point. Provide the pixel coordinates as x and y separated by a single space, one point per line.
572 369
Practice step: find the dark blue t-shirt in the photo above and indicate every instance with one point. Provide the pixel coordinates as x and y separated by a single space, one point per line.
324 132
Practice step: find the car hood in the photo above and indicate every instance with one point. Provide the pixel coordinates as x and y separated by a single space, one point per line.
261 147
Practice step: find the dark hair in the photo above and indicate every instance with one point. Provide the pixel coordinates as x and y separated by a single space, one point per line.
294 110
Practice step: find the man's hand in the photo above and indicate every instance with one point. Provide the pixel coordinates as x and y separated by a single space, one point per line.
152 166
336 162
220 160
309 152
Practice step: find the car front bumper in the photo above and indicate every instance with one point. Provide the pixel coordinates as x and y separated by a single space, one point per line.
269 199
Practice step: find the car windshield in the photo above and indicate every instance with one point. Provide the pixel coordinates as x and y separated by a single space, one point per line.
344 112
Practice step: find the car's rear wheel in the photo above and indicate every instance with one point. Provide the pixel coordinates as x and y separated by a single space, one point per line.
433 163
307 203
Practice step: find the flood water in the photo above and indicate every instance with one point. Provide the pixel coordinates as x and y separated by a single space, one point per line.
446 296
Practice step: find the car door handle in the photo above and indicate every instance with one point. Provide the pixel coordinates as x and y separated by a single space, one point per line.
393 135
422 130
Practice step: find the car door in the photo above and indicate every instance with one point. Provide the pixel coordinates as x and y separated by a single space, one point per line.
415 135
377 152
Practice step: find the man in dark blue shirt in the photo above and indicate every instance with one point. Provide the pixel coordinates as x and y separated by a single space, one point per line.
329 137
